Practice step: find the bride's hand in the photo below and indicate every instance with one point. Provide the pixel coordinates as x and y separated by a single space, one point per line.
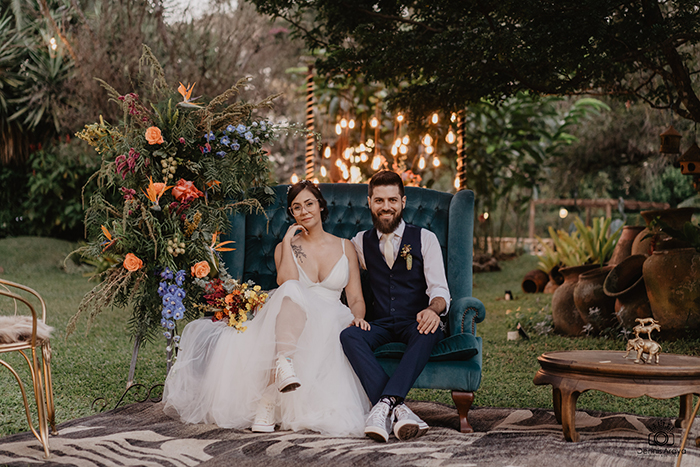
292 231
360 323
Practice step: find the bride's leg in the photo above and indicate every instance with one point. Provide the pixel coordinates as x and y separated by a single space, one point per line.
289 326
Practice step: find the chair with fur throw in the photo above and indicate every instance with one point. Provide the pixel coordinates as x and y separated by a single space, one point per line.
20 333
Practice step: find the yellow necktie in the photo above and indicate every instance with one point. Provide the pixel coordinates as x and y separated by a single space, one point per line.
389 249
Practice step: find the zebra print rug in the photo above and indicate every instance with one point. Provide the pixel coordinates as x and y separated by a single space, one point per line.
141 435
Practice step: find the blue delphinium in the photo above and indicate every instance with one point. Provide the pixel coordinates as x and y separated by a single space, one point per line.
167 335
172 296
210 136
166 274
248 136
180 277
162 289
225 141
240 129
230 129
235 146
221 153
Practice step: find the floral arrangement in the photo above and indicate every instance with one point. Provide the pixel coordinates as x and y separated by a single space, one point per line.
172 172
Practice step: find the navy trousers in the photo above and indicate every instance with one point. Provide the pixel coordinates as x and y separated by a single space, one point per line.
359 347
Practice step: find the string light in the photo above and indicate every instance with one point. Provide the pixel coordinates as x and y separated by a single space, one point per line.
374 123
427 140
347 153
376 162
486 215
436 162
450 138
457 182
403 149
351 124
327 152
429 149
338 163
370 143
363 157
315 180
362 148
435 118
453 117
563 213
53 43
355 174
294 178
324 172
405 140
394 150
343 123
399 118
338 130
397 143
421 163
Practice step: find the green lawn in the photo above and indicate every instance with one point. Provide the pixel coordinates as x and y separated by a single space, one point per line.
90 365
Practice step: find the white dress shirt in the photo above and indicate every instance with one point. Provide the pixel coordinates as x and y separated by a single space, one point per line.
433 265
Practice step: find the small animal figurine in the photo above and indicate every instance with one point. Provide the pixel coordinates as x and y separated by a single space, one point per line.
642 346
646 325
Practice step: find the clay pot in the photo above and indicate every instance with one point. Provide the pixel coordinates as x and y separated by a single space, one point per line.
534 281
623 249
673 217
595 308
567 320
555 280
625 284
672 279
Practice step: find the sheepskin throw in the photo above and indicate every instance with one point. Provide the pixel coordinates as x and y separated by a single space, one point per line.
19 329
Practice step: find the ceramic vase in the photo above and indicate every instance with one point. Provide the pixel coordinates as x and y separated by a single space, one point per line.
672 279
534 281
567 320
623 248
673 217
595 308
625 283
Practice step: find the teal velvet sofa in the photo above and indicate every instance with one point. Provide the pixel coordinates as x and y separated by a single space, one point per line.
455 363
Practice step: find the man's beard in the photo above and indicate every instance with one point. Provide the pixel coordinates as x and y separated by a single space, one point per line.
386 226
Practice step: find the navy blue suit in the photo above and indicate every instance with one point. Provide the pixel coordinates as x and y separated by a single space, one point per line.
399 295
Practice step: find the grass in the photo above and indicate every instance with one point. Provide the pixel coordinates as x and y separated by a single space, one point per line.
95 364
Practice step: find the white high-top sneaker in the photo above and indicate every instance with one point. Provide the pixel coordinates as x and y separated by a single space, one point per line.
265 414
284 375
407 424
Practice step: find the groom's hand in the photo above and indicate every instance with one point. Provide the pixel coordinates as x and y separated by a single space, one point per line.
428 321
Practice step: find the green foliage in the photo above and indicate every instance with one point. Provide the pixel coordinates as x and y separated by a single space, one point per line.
689 233
445 55
549 259
586 244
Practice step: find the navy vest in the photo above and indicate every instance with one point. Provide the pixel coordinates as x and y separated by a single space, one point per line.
397 292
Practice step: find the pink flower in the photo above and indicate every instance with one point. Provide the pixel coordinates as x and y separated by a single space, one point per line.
182 140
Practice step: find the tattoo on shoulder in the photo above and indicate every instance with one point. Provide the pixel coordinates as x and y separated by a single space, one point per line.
298 252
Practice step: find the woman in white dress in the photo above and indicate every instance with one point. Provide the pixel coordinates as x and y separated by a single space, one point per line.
288 368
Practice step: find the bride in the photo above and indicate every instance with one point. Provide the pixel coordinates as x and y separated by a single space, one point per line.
288 367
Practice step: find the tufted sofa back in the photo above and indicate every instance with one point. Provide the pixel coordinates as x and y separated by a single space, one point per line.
449 216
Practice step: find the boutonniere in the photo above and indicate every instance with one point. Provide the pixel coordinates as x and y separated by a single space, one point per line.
406 254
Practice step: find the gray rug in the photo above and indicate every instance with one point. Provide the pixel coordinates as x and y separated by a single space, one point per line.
141 435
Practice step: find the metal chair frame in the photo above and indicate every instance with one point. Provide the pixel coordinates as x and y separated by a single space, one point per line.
40 372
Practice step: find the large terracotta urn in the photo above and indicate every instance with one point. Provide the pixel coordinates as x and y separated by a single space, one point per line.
596 308
623 248
672 279
673 217
534 281
567 320
625 283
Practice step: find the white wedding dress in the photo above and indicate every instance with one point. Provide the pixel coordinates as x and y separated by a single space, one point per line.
220 374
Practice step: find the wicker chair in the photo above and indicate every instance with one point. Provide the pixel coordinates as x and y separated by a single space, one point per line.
19 333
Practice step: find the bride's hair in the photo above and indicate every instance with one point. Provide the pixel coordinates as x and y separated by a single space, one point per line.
302 185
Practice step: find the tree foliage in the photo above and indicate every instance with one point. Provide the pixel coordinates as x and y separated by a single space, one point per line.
442 54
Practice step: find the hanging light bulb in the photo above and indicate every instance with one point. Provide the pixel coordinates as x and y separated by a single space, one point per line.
355 174
324 172
294 178
362 147
429 149
436 161
421 163
394 150
450 138
405 140
434 119
338 163
370 143
563 213
453 117
327 152
376 162
374 123
456 181
338 130
363 157
397 143
343 123
486 215
403 149
315 180
347 153
351 124
346 174
399 118
427 140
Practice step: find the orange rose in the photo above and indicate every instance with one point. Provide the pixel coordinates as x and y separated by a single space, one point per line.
132 263
219 315
185 189
153 135
200 269
228 299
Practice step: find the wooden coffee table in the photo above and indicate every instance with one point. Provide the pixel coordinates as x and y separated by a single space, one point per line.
573 372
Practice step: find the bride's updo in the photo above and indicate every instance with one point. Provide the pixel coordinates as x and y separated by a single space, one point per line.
302 185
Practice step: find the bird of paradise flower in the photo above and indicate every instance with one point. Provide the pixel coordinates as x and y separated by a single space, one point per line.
109 241
154 192
186 92
214 247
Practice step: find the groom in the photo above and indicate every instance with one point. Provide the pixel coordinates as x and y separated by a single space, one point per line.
407 277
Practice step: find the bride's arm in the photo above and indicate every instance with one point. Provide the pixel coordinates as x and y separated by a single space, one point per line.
284 261
353 291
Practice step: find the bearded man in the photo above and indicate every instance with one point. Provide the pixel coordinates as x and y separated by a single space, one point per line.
407 278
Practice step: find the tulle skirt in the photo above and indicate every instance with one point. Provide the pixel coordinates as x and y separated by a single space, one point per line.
220 374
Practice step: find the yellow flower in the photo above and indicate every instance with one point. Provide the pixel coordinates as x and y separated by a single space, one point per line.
257 288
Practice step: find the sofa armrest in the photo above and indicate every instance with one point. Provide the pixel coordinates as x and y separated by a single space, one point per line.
464 313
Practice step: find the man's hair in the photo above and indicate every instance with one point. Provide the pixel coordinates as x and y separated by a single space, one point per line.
385 178
297 188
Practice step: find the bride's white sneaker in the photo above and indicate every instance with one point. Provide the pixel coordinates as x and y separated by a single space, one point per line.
407 424
284 375
265 415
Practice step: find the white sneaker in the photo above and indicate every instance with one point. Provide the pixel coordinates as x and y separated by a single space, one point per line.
264 416
407 424
378 424
284 375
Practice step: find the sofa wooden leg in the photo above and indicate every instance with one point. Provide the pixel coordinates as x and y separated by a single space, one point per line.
463 401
